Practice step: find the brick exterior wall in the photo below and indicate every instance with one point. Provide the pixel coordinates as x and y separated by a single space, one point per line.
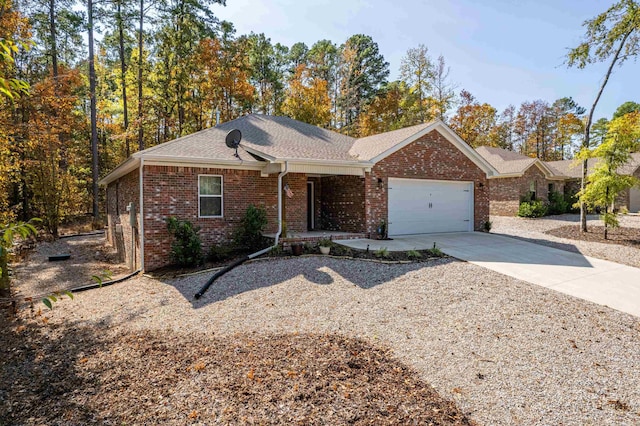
505 193
343 203
173 191
430 157
346 203
623 199
120 234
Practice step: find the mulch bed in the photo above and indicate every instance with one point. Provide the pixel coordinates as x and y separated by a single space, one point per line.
621 236
336 251
60 375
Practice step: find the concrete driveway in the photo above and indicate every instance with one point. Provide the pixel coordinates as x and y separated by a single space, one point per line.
599 281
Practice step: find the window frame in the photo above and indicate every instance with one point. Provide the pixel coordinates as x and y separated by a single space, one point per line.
221 196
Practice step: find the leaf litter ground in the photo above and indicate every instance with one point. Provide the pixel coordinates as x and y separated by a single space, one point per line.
68 374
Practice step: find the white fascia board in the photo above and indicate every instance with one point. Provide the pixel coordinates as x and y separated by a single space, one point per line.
204 163
129 165
327 169
452 137
259 154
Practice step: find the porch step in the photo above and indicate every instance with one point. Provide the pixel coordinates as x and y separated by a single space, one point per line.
313 236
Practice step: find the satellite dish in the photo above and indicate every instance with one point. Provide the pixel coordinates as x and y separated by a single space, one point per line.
233 138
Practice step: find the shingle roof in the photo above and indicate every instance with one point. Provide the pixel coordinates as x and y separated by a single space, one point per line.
632 165
506 161
278 137
369 147
570 168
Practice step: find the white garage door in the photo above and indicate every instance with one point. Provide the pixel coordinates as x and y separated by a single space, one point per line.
419 206
634 200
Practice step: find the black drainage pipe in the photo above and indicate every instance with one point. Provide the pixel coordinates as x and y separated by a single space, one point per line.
218 275
221 272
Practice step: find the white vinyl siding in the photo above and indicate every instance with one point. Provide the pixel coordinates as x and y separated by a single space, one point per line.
210 203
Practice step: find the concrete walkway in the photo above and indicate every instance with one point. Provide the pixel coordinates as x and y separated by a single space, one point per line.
599 281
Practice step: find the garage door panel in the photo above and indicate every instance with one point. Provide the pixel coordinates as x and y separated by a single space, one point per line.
634 200
418 206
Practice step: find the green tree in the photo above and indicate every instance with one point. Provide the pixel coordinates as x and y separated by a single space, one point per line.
605 183
322 60
417 71
611 36
626 108
363 72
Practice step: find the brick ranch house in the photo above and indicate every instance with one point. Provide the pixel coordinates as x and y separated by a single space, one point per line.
420 179
519 176
627 200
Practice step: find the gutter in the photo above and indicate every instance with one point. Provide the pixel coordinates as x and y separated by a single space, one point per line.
220 273
141 224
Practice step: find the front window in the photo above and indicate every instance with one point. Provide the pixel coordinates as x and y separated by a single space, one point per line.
210 196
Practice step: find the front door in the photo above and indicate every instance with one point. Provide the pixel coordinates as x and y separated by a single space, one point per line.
311 208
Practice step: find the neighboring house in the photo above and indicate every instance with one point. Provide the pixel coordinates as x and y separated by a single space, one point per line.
572 169
421 179
519 176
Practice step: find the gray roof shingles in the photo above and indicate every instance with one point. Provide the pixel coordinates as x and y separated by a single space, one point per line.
505 161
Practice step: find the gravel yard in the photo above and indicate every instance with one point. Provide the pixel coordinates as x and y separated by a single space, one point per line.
535 230
36 276
506 352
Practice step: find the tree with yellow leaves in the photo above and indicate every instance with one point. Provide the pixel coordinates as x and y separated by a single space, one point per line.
307 98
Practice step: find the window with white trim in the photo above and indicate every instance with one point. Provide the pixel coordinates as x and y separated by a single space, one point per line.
209 196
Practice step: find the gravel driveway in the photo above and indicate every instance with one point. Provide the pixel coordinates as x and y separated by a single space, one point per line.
534 230
505 351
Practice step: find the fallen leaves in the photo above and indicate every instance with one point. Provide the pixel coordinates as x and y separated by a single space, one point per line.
283 379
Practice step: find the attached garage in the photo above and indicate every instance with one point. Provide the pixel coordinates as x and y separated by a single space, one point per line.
424 206
634 200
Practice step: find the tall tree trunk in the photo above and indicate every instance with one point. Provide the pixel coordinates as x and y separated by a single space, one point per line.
54 44
140 127
123 70
94 129
587 129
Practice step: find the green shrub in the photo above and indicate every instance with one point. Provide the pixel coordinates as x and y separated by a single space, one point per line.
486 226
535 208
557 203
186 249
339 250
414 254
325 242
382 253
435 251
248 234
220 252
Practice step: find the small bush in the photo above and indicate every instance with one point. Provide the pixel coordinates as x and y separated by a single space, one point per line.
486 226
414 254
325 242
186 249
382 253
248 234
557 203
435 252
339 250
220 252
535 208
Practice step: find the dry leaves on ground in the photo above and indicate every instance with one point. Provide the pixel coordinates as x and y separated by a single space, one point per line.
595 233
79 375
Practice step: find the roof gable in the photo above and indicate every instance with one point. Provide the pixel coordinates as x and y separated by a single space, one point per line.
511 163
378 147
